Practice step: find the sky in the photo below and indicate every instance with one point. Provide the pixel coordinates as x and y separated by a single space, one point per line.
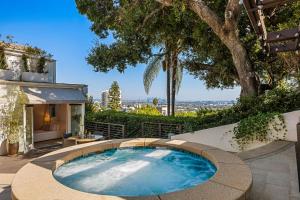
57 27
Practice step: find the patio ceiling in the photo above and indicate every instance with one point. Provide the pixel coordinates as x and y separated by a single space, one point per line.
272 42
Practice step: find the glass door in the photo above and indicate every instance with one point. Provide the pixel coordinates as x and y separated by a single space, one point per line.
76 119
28 127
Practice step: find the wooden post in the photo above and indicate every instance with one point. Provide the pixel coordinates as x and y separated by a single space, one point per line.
298 152
180 129
143 134
159 130
123 131
108 131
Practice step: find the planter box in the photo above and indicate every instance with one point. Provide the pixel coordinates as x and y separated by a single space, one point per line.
9 75
35 77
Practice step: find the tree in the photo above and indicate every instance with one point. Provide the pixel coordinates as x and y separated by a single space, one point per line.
226 28
218 44
155 102
170 67
11 119
114 96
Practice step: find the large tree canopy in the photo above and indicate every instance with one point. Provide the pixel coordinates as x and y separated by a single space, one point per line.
140 30
216 41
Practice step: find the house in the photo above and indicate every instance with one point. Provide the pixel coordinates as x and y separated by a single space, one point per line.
52 109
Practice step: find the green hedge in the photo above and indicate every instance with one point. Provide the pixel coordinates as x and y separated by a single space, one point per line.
278 100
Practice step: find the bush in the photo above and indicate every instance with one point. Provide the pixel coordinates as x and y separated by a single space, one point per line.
147 110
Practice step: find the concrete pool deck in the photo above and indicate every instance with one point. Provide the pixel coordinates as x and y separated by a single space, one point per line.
232 180
267 184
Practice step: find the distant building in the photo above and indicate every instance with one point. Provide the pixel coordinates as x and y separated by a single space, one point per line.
163 110
104 98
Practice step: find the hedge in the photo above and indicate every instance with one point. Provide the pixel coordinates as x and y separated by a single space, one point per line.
277 100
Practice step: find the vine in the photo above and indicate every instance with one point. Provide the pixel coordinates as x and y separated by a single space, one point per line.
3 64
262 127
42 54
41 65
25 64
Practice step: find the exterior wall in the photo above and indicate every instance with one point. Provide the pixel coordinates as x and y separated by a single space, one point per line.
221 137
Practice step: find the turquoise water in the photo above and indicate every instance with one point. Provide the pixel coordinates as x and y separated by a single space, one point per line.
135 171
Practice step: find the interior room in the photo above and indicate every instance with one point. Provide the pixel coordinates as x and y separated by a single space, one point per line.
49 121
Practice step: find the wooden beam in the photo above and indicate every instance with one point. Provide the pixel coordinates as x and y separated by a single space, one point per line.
266 6
289 46
288 34
261 23
251 16
265 2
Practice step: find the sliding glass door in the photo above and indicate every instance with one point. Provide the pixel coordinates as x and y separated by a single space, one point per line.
28 127
76 119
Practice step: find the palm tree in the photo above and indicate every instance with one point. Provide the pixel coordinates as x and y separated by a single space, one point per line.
170 66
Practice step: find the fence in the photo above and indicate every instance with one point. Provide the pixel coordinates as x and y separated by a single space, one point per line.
109 130
160 130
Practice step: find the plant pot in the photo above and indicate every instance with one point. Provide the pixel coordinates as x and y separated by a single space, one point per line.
13 149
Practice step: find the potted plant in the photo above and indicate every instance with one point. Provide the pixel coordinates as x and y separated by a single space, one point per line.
11 119
38 65
5 73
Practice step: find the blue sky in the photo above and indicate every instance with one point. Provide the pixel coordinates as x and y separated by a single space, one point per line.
57 27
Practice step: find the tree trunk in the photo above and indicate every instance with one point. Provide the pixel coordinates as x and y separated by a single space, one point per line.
227 31
247 77
174 63
174 71
168 89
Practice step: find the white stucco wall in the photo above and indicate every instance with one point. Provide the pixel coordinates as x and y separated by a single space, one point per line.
221 137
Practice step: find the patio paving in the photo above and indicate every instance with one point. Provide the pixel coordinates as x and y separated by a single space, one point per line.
273 167
274 171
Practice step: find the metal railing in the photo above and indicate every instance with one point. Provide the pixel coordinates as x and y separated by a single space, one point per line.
160 130
108 130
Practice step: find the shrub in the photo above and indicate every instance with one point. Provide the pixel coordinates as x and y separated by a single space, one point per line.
248 108
147 110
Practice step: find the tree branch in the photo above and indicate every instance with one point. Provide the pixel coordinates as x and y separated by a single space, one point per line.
204 12
199 66
207 15
165 2
232 13
149 16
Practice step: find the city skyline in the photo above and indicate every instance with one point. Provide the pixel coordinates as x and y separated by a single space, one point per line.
66 34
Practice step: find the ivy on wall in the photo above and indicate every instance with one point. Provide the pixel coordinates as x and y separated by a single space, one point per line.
261 127
3 64
35 51
24 62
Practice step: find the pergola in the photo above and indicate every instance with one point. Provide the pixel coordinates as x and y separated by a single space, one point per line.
272 42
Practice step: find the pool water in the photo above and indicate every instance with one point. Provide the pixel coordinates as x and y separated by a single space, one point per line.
135 171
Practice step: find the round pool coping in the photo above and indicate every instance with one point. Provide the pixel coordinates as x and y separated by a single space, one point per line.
35 180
